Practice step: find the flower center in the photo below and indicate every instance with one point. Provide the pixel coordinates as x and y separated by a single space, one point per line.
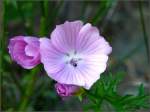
74 62
73 59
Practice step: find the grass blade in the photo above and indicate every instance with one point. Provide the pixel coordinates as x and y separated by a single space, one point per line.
104 6
145 35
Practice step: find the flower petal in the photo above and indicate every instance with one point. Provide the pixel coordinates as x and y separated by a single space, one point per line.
31 50
64 36
12 42
86 74
69 75
50 57
34 41
87 35
99 46
94 66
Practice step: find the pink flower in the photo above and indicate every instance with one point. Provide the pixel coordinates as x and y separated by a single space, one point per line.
76 54
66 90
25 51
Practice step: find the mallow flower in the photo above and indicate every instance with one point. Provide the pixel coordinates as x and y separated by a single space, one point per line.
25 51
66 90
76 54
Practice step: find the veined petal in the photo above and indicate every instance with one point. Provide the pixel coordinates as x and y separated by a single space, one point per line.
99 46
87 35
31 50
85 74
94 65
69 75
64 36
34 41
51 57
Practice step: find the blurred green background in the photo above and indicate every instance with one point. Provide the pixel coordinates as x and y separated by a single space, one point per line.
125 24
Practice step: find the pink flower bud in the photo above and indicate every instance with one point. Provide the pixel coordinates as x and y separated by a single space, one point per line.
66 90
25 51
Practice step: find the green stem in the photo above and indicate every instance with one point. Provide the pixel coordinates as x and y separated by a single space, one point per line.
17 82
28 25
43 25
144 30
4 52
29 90
55 13
104 6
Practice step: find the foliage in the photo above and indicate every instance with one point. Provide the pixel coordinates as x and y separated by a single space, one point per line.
106 90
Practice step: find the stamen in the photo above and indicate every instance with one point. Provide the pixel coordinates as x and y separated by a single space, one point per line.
67 54
73 62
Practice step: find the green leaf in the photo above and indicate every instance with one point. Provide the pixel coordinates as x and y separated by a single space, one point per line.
105 89
89 106
12 2
141 90
103 8
80 98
